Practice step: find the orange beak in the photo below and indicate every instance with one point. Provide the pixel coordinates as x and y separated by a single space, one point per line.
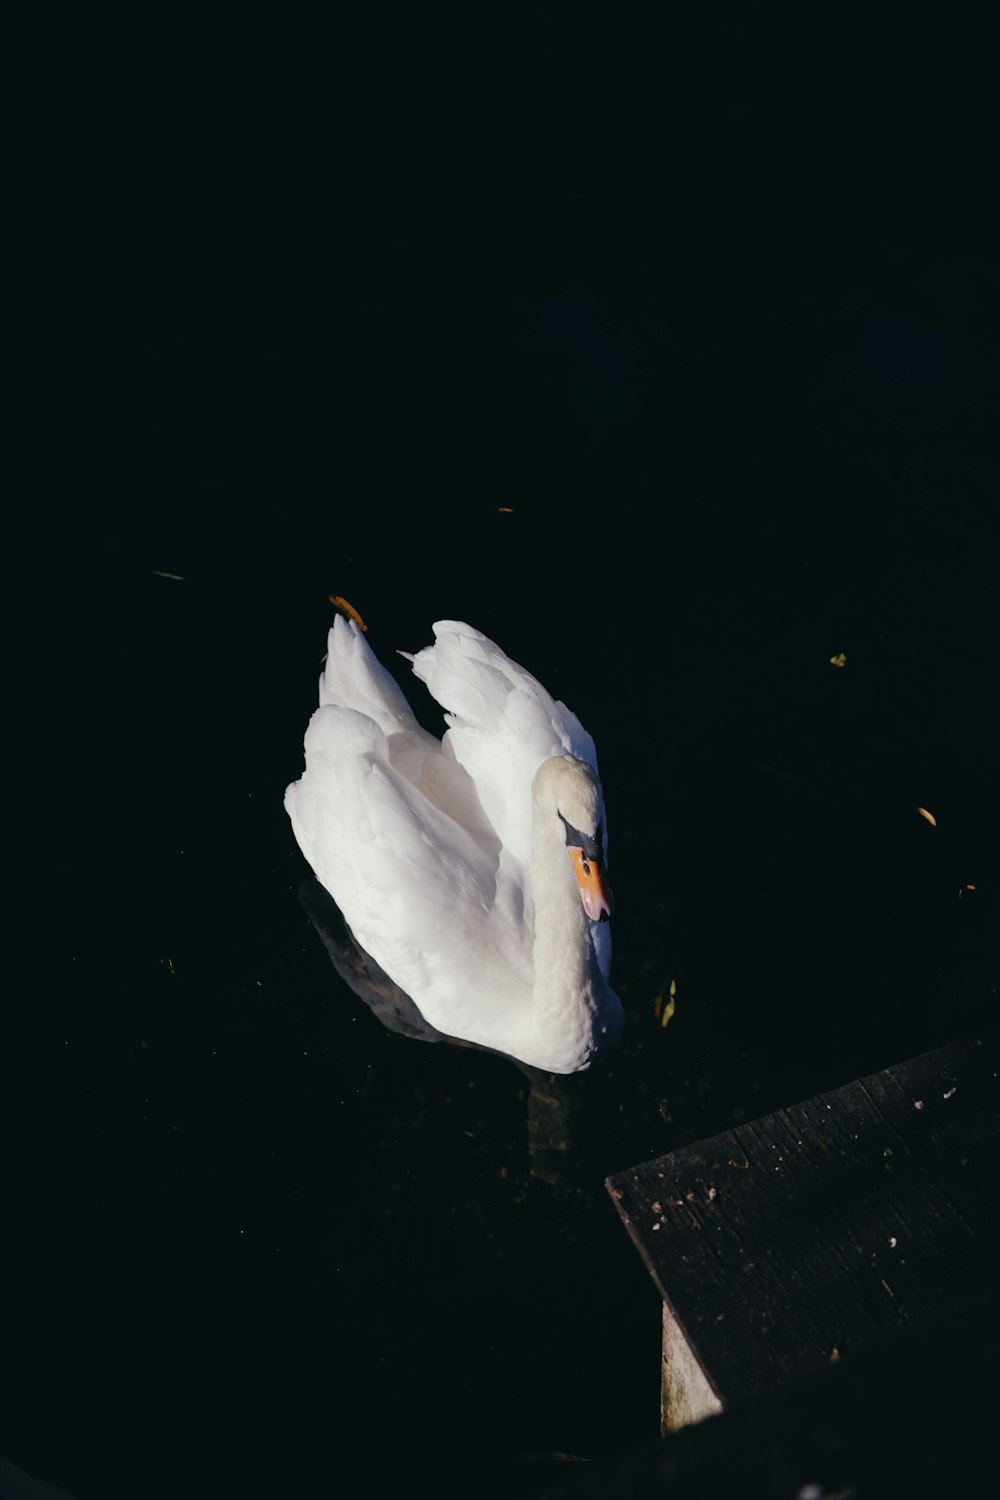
595 890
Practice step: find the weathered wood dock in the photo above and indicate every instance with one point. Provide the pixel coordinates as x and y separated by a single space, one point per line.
793 1241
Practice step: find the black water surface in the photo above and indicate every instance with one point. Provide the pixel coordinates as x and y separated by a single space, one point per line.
680 462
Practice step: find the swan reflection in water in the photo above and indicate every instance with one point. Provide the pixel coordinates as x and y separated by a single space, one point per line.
553 1100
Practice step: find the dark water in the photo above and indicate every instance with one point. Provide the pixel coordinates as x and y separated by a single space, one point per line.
250 1235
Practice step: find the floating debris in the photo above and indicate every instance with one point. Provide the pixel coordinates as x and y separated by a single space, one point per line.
932 820
344 608
174 577
840 660
665 1011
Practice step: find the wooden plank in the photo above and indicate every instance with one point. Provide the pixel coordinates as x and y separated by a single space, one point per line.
790 1241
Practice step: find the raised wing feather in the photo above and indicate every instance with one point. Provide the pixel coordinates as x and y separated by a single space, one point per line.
355 678
502 724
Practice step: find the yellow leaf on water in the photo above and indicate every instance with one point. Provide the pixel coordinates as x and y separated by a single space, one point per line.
840 660
670 1006
932 820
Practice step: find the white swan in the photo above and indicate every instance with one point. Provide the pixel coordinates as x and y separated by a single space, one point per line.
473 868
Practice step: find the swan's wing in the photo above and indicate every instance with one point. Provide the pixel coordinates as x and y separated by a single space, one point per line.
417 889
502 724
355 678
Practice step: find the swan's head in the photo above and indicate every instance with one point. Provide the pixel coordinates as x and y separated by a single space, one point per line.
570 792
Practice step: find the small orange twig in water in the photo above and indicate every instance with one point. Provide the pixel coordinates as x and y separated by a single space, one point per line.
347 609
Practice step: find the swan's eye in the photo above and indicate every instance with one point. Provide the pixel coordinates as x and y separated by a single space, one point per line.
586 866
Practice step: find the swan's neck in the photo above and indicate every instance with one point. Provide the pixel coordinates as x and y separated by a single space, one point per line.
570 992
